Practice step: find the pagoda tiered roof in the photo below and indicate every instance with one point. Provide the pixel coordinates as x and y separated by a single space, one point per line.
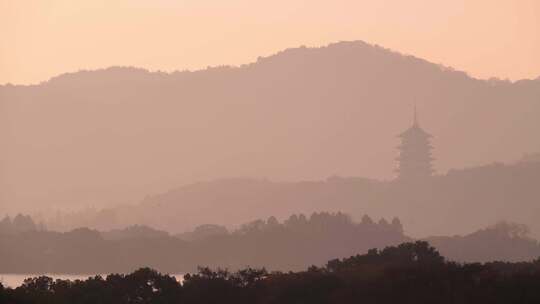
415 159
415 131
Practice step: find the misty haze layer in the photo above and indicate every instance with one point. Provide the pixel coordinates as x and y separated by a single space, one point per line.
456 203
298 242
115 135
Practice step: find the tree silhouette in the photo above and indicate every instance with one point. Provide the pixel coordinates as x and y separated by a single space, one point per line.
408 273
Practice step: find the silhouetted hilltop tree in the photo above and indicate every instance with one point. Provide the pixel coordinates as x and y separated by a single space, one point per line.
251 227
142 286
272 222
20 224
149 286
396 225
296 221
318 222
418 253
296 242
6 225
366 220
23 223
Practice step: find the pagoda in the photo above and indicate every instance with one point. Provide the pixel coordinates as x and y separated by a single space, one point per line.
415 160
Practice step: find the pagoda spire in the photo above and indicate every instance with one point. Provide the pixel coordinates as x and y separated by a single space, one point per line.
415 160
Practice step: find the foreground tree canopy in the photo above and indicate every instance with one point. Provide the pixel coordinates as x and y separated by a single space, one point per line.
408 273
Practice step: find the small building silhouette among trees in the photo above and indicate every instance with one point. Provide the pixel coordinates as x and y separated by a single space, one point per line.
415 159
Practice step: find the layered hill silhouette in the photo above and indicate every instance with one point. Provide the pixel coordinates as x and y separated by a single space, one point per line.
501 242
114 135
294 243
458 202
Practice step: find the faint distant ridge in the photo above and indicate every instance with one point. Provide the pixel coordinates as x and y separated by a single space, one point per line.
510 241
460 194
301 114
358 47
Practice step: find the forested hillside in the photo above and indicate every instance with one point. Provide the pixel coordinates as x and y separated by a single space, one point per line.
301 114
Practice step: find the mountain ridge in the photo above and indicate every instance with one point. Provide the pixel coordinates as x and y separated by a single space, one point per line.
261 59
116 135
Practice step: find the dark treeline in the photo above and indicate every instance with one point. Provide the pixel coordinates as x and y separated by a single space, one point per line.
296 243
293 244
408 273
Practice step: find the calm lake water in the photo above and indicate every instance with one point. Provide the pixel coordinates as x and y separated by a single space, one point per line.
15 280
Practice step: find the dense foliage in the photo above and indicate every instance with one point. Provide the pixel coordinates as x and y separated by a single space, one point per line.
295 244
408 273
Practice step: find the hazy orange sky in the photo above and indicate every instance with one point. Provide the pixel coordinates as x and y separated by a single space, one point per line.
40 39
